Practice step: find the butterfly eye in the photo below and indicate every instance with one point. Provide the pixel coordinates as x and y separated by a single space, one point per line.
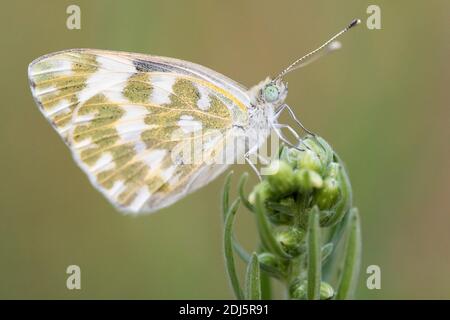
271 93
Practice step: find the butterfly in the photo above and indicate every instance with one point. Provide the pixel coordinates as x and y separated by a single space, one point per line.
125 116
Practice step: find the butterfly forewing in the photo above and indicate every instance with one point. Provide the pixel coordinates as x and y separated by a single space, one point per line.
124 115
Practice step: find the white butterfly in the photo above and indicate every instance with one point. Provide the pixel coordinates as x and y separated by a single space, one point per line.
125 115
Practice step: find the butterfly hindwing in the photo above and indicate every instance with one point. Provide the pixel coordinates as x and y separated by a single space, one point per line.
124 116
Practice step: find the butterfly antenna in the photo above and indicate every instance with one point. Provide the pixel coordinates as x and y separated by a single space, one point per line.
329 46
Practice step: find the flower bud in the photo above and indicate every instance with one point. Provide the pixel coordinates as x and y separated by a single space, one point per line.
307 179
271 264
321 148
290 156
288 202
328 195
309 160
279 218
281 212
264 191
298 289
324 216
326 291
333 170
281 178
291 241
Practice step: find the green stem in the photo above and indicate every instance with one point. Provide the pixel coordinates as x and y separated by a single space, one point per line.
314 256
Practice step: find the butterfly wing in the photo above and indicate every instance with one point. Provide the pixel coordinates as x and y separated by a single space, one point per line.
132 120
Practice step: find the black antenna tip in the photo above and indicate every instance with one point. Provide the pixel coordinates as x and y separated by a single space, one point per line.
354 23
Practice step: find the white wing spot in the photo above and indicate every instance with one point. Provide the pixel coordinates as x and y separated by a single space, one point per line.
131 130
84 118
154 158
204 102
132 123
168 173
142 195
103 161
188 124
118 185
110 73
83 143
162 88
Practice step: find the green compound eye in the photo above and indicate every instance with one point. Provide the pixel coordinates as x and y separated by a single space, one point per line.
271 93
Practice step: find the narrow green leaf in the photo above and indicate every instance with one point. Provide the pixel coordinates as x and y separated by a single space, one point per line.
253 279
314 257
244 198
266 286
265 230
352 258
243 254
326 251
288 210
328 150
330 268
228 250
226 194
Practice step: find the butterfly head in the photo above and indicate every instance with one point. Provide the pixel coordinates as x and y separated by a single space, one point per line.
274 92
269 93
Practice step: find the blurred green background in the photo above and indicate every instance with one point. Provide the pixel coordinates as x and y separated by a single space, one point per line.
381 101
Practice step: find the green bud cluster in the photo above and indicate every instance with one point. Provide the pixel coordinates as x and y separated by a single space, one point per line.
299 208
300 180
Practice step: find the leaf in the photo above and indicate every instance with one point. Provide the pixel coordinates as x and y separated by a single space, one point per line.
253 279
226 194
336 235
228 250
329 153
244 198
288 210
266 286
352 258
265 231
243 254
314 256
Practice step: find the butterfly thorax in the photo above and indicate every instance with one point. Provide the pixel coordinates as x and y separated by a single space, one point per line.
265 98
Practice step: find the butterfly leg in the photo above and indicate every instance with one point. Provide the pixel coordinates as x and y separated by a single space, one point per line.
252 165
294 117
285 126
277 128
264 160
